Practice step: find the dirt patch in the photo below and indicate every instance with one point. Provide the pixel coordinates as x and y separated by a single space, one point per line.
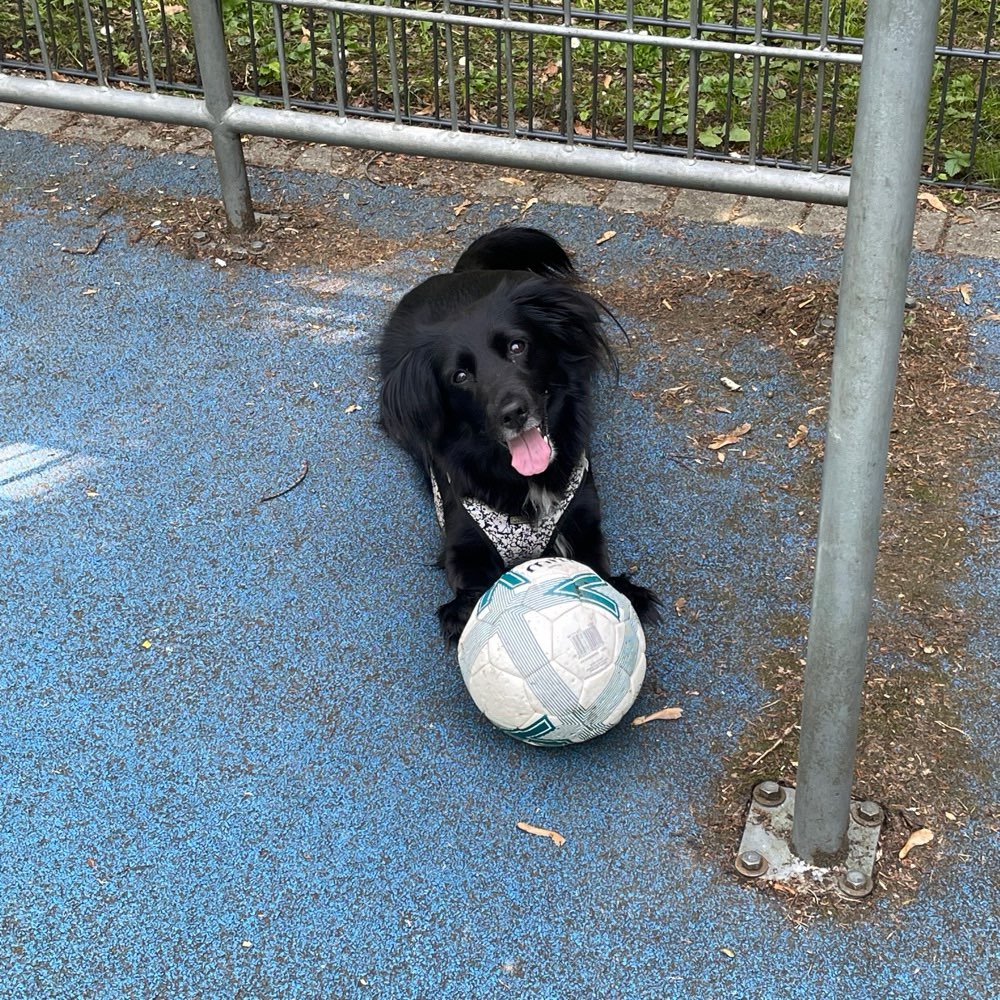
295 234
286 236
913 755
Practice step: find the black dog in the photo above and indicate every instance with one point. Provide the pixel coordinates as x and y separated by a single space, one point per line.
486 382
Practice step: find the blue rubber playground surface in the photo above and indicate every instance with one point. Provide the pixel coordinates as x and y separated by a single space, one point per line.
235 760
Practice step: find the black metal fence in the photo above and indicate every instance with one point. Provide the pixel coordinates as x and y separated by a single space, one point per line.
716 80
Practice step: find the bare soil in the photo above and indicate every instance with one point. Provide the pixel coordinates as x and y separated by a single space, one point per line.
913 756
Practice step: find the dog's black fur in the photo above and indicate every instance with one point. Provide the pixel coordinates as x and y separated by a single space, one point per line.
475 366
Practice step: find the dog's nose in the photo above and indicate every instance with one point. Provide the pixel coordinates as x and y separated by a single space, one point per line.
514 414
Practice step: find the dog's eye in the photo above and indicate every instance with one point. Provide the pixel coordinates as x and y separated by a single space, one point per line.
516 347
460 376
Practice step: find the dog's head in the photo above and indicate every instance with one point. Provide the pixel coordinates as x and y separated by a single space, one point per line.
492 360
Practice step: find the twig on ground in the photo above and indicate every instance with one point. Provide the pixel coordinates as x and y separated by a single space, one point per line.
774 746
87 251
288 489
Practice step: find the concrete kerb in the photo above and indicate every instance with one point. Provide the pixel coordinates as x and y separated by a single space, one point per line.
939 228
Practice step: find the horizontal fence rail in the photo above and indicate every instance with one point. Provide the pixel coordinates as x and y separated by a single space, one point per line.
703 82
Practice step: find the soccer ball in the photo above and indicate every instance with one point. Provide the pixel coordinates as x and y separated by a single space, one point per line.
552 654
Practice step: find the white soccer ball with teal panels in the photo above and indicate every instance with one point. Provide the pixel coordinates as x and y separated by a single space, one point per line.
552 653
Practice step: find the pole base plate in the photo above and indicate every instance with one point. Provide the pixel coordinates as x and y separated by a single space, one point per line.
765 851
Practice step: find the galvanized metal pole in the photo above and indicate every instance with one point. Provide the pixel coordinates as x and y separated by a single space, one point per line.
213 64
888 147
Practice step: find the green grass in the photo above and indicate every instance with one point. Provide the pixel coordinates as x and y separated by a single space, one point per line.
793 103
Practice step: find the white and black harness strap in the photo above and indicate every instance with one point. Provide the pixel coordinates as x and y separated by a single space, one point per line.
516 538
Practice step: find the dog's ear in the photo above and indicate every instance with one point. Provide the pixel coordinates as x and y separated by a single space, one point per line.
567 318
411 402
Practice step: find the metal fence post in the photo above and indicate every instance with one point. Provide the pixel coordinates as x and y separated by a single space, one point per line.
889 141
213 65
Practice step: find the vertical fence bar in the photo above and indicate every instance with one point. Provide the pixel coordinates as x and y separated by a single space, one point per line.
892 113
595 76
449 48
213 64
766 88
693 78
758 37
569 101
664 67
94 48
945 85
508 62
390 37
465 62
279 45
630 79
254 47
339 76
147 55
43 48
983 83
831 131
824 37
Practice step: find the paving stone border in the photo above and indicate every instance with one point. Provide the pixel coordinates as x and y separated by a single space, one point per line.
958 230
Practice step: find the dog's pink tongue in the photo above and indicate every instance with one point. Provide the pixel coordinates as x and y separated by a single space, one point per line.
530 453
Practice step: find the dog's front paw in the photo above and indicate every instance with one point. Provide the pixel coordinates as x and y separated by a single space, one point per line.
647 605
454 615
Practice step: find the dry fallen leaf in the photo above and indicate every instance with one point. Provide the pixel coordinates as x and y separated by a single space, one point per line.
460 209
664 713
605 236
353 408
557 838
730 384
990 318
680 604
731 438
550 70
917 839
798 437
933 200
964 289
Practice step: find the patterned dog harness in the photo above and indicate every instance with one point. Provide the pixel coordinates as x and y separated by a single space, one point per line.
516 538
